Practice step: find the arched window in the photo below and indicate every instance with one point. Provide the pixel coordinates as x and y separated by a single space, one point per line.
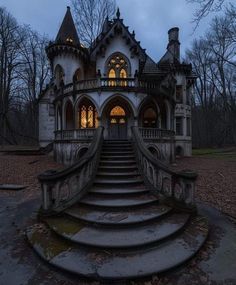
59 76
117 68
78 75
117 112
87 115
69 116
149 118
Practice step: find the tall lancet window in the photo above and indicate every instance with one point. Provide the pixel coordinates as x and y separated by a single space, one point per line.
118 69
87 116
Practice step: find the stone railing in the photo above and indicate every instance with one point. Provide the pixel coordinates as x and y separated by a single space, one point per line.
154 133
61 189
109 83
78 134
176 187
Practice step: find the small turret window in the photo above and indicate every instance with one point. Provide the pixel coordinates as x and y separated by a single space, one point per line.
59 76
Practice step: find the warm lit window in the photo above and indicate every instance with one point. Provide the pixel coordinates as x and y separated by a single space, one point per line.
87 115
117 111
118 68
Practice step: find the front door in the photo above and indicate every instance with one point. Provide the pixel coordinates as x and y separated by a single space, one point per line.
117 124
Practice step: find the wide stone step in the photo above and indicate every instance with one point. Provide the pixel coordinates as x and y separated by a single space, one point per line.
117 174
118 202
117 189
117 153
112 237
119 217
119 264
117 181
127 162
118 168
117 157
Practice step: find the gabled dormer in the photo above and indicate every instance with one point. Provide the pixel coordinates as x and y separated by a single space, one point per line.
116 51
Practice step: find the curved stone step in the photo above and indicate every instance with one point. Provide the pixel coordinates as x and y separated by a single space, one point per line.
116 152
112 237
117 181
119 217
117 190
117 157
119 264
117 162
110 202
120 168
117 174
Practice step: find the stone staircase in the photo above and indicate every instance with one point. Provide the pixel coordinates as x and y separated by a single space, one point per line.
119 230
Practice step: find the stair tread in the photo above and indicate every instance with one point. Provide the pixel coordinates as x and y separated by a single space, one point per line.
134 173
118 264
118 190
118 181
113 237
118 217
107 201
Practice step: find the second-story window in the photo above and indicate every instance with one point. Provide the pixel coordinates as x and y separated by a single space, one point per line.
179 94
117 68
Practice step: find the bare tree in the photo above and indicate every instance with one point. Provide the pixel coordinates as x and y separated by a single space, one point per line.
205 7
90 16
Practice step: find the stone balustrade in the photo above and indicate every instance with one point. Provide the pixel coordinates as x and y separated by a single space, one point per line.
177 187
77 134
155 133
61 189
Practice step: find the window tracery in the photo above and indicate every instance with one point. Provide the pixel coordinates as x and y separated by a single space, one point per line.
87 115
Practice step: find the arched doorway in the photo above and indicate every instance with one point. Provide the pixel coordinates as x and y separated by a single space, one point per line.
149 118
117 123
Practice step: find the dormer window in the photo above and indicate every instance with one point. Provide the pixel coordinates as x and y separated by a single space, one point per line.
117 67
69 40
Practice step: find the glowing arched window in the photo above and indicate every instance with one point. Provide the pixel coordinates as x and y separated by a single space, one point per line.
117 111
117 68
87 115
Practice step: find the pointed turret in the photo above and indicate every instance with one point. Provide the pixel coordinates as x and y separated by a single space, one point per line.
67 33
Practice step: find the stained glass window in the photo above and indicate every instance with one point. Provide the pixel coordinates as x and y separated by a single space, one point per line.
117 111
87 115
117 68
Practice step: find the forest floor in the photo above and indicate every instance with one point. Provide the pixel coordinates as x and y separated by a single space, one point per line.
214 264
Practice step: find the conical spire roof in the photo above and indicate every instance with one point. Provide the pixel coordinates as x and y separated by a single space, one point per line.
67 33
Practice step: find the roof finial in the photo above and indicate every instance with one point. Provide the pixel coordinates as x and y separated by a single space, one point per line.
118 13
68 7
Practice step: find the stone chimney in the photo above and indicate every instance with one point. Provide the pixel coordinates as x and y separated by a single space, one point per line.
174 44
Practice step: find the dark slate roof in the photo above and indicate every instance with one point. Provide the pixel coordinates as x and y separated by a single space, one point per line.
150 67
68 30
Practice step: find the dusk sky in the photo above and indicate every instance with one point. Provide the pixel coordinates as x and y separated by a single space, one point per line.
151 20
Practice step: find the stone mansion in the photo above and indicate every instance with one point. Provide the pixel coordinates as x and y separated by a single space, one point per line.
115 84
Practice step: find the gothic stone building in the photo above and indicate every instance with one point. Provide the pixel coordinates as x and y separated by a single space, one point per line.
115 84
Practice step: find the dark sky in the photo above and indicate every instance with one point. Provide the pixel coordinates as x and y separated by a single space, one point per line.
151 19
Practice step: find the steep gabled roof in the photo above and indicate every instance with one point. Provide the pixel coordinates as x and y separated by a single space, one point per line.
67 33
150 67
110 29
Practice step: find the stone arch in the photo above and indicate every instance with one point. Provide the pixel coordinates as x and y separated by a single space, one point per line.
155 151
81 151
78 75
126 65
86 113
68 115
117 127
148 105
59 75
179 151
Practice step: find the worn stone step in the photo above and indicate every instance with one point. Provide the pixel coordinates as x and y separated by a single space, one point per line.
119 217
120 202
112 237
118 162
117 189
117 153
117 157
118 181
110 264
117 174
118 168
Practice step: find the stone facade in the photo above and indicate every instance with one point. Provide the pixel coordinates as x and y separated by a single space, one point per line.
115 84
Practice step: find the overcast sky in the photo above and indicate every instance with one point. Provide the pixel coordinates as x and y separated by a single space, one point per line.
151 19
